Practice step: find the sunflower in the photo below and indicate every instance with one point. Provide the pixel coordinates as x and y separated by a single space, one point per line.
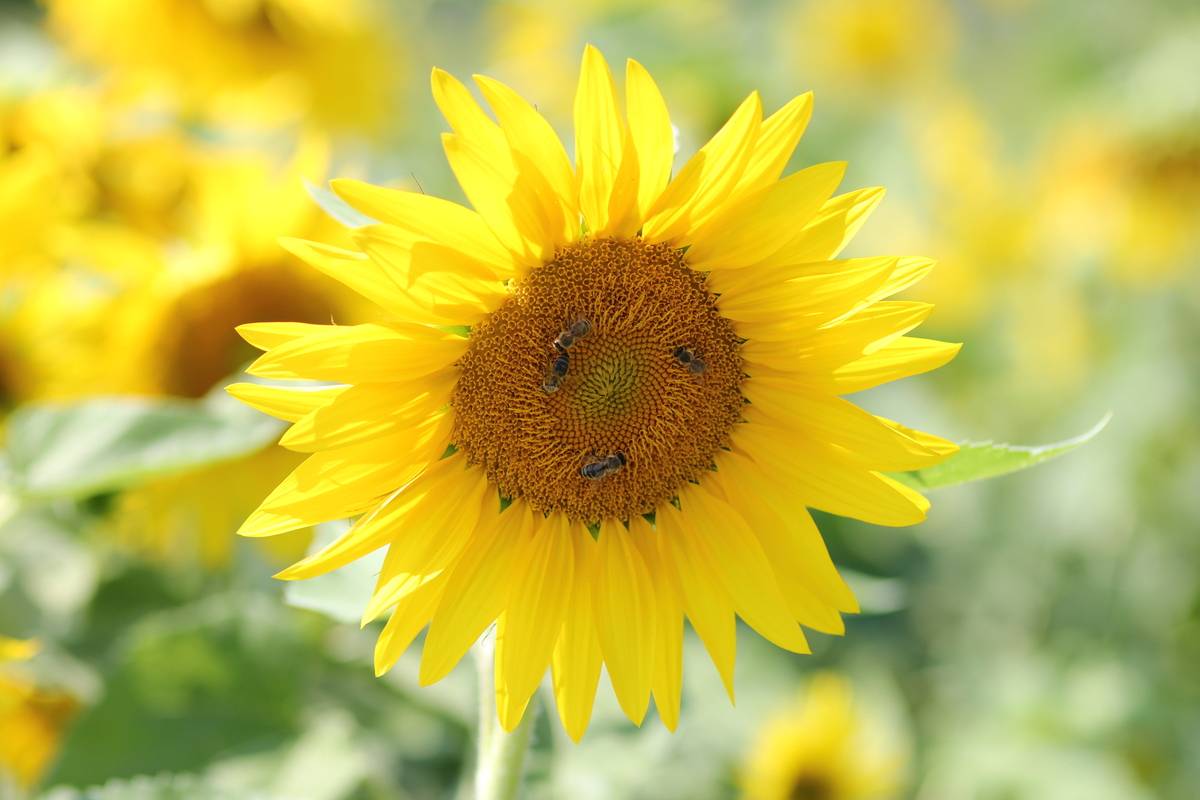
141 296
820 750
874 47
32 719
259 59
173 335
601 400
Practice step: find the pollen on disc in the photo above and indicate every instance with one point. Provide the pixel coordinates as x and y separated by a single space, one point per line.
625 391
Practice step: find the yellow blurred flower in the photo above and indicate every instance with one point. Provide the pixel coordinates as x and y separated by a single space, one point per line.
18 649
1005 271
32 719
190 519
872 46
979 216
173 334
267 60
148 251
1128 200
822 749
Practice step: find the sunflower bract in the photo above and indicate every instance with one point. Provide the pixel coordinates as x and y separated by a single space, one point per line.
590 502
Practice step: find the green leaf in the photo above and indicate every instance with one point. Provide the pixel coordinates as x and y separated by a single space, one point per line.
979 460
103 444
341 211
343 593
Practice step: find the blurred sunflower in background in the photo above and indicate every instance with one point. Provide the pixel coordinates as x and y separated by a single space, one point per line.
609 424
823 749
873 49
176 336
141 250
32 719
265 61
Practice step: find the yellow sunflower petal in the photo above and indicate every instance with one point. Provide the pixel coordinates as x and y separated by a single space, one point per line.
707 179
268 335
476 591
806 575
599 138
623 605
536 608
825 480
575 666
509 707
753 228
510 207
830 230
409 258
265 523
831 346
353 269
740 561
438 220
376 528
667 681
465 116
290 403
539 155
350 480
411 614
362 354
624 218
741 286
414 557
705 600
935 443
370 410
824 417
904 357
777 139
831 289
650 131
909 270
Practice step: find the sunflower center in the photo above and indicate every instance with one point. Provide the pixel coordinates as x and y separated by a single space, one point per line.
812 787
613 423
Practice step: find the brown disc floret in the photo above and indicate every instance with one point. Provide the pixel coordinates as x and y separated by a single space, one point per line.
624 393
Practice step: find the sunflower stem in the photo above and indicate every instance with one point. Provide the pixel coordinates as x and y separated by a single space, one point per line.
500 758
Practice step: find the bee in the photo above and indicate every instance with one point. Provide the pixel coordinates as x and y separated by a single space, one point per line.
561 365
567 339
609 465
558 371
694 363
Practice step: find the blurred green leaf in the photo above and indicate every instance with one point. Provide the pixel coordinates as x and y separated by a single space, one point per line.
108 443
190 684
343 593
341 211
979 460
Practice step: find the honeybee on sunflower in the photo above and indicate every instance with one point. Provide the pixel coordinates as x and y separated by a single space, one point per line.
441 437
